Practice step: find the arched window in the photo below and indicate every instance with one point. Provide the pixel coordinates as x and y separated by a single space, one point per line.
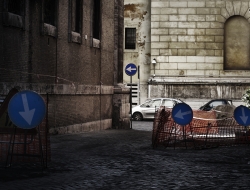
237 43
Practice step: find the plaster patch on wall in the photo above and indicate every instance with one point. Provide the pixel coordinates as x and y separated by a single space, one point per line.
141 44
134 11
181 72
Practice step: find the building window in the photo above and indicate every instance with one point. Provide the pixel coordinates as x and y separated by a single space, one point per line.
16 6
76 15
96 23
13 14
75 20
96 19
130 38
50 12
49 17
237 44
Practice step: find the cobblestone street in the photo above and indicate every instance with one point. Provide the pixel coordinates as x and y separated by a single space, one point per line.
124 159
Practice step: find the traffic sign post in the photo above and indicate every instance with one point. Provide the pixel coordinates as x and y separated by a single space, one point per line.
241 115
130 70
26 109
182 115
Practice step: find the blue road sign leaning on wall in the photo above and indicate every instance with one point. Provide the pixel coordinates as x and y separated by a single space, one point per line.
26 109
182 114
242 115
130 69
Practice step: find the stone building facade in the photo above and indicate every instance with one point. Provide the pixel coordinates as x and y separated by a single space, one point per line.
70 52
201 48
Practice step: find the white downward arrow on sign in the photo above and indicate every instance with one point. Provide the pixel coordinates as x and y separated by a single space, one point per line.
131 69
181 114
27 114
243 117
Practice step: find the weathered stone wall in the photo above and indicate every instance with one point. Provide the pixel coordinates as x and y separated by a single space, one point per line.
196 42
78 78
137 15
188 36
121 108
198 91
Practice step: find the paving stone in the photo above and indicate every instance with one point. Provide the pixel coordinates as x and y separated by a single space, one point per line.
125 159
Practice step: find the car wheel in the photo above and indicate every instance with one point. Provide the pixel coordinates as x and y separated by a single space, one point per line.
137 116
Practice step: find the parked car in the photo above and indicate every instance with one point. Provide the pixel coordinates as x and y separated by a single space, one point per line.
215 102
147 109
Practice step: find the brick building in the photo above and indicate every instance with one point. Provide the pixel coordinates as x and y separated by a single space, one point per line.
201 48
70 51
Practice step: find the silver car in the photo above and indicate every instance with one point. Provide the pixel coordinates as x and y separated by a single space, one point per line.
147 109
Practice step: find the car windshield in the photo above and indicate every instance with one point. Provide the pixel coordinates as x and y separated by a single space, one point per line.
216 103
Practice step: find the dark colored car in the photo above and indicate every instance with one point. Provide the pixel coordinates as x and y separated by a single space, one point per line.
215 102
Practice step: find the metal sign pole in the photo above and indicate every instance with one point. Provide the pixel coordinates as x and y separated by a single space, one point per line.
130 102
130 70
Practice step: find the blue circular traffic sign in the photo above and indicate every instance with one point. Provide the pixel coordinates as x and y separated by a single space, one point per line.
26 109
242 115
182 114
130 69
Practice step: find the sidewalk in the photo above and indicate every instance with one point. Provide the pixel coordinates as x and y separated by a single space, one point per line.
124 159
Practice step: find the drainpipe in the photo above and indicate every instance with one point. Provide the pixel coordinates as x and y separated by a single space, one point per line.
149 88
30 47
100 65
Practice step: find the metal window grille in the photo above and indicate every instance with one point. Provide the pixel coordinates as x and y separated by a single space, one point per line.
130 38
96 19
135 93
50 12
15 6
